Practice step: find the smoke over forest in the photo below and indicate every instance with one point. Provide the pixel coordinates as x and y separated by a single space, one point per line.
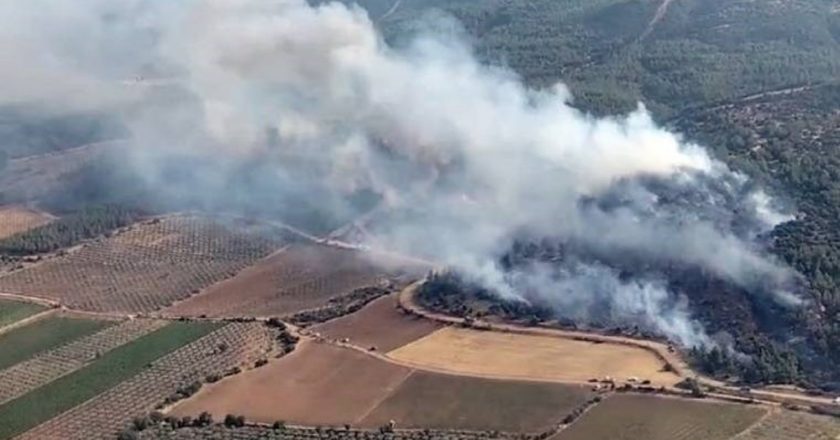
265 107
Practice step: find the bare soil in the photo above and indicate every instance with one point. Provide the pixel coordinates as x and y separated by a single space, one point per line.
380 324
634 417
439 401
317 384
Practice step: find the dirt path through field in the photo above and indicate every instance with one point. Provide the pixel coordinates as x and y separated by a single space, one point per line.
657 17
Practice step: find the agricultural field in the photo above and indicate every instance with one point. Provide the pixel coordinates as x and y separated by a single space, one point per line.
148 266
14 311
636 417
64 393
24 342
250 432
300 277
317 384
43 368
789 425
234 345
29 178
440 401
379 324
509 355
16 219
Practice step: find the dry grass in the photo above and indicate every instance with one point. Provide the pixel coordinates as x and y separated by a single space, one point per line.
318 384
439 401
16 219
508 355
637 417
304 276
380 324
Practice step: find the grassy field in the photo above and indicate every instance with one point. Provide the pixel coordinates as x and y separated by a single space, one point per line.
634 417
24 342
112 368
13 311
514 356
439 401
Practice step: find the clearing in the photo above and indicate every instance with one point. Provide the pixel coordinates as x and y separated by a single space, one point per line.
380 324
440 401
317 384
15 219
534 357
14 311
41 404
634 417
24 342
301 277
148 266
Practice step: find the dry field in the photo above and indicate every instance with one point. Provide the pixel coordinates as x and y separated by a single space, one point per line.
326 385
15 219
380 324
253 432
637 417
25 376
301 277
318 384
439 401
509 355
112 411
147 267
789 425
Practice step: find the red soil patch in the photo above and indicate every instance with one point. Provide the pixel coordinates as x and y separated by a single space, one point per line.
380 324
300 277
318 384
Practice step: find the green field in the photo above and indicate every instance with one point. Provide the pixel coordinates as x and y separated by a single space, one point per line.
13 311
22 343
117 365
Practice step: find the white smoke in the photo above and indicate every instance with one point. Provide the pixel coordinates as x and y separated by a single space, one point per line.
477 155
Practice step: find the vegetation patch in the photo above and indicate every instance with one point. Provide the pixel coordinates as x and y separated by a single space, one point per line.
24 342
13 311
112 368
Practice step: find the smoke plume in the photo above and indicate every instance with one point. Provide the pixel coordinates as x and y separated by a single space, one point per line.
464 158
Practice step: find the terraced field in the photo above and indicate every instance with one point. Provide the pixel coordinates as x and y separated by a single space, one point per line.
28 375
789 425
636 417
14 311
111 411
148 267
301 277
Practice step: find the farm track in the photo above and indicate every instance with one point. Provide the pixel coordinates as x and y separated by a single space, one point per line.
105 415
21 378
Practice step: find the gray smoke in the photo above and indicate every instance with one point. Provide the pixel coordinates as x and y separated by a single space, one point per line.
465 157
